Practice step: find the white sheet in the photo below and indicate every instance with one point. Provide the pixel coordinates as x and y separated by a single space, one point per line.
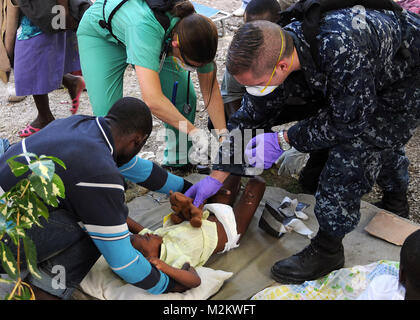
104 284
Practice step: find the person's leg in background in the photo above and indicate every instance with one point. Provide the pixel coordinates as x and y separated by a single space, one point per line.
177 143
403 99
75 85
56 56
44 117
103 65
65 254
72 79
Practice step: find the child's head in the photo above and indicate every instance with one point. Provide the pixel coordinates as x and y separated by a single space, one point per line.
410 265
262 10
148 244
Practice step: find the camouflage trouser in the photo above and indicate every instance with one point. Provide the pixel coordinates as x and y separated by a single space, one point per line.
350 172
352 169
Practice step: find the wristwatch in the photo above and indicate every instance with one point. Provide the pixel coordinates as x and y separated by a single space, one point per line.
282 142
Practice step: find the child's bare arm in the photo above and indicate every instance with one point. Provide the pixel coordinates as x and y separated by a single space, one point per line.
133 226
186 277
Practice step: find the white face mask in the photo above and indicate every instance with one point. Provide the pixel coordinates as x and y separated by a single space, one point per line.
184 66
256 90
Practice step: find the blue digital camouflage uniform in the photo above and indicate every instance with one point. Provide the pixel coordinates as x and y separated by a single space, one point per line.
369 108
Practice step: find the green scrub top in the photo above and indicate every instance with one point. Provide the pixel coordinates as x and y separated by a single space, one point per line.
104 60
137 28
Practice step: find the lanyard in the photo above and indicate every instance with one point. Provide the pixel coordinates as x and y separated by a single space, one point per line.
187 107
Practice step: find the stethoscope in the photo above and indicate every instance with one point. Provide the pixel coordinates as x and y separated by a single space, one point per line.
187 107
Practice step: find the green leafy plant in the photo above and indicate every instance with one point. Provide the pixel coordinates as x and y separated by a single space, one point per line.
22 207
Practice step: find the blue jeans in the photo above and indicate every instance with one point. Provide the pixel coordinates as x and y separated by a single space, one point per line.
4 145
65 253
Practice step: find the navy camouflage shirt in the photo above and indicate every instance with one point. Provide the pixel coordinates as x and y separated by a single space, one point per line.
365 87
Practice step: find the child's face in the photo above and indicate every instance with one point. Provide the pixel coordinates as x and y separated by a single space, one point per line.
148 244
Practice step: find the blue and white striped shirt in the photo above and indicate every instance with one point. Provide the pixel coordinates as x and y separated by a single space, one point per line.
94 191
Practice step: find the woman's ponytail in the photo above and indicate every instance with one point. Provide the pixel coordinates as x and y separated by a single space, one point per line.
182 9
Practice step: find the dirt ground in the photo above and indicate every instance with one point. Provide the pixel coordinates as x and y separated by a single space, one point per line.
14 116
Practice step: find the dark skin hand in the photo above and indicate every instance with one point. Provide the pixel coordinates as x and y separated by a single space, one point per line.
133 226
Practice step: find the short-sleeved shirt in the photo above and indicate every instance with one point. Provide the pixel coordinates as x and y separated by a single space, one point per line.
135 25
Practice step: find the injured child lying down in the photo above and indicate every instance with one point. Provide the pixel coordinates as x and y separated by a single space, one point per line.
190 235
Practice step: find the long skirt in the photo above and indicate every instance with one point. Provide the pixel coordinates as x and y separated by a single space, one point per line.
42 61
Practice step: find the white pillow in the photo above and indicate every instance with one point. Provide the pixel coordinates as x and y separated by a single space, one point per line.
102 283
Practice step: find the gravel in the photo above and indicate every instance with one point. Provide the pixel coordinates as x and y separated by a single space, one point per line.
14 116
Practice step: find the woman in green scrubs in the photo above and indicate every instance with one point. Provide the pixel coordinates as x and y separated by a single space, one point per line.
139 39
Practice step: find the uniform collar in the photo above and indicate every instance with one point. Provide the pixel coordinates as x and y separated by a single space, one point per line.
315 79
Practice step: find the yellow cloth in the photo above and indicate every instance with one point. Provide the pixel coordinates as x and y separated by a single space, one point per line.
184 243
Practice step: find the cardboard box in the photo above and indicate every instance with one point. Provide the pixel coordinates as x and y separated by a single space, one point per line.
391 227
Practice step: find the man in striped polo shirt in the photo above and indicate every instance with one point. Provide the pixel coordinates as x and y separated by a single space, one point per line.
92 219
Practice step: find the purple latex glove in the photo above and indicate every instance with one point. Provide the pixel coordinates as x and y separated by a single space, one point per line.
203 190
263 150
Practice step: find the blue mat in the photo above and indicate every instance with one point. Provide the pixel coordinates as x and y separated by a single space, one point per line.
204 10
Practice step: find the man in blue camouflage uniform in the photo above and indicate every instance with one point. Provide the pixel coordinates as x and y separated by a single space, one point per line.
369 107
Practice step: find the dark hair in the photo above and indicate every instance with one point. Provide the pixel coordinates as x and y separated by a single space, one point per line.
198 36
262 10
410 260
131 115
244 47
256 47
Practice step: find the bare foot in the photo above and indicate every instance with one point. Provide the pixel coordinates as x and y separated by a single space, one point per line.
41 122
73 84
